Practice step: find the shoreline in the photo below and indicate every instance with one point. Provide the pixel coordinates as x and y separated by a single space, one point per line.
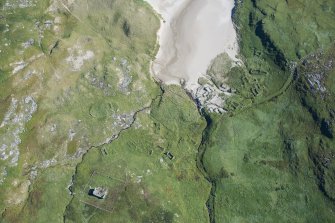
191 34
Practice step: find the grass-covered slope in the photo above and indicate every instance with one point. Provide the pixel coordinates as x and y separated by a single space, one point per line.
79 109
316 81
261 166
146 184
273 36
271 157
73 76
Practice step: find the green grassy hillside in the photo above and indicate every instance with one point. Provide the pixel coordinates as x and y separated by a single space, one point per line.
79 110
270 159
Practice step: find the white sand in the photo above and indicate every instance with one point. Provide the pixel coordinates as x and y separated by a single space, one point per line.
192 34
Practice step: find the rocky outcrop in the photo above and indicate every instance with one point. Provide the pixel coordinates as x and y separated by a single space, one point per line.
314 84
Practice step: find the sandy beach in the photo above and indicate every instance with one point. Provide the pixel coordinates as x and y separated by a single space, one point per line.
192 34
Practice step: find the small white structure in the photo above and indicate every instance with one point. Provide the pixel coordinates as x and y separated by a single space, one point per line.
99 192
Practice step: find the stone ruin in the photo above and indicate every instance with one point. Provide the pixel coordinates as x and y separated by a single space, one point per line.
98 192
